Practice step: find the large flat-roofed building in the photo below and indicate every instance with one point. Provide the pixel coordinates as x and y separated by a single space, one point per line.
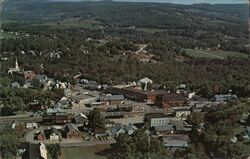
112 99
156 119
137 94
170 100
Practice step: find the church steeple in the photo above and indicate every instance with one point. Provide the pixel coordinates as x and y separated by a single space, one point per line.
17 67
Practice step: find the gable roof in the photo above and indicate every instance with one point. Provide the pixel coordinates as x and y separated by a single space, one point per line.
71 126
130 127
145 80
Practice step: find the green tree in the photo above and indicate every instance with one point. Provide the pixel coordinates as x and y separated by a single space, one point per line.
8 142
140 145
195 119
54 151
96 120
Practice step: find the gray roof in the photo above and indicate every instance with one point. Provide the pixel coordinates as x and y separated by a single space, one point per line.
113 97
222 97
130 127
71 126
41 77
15 85
176 141
169 127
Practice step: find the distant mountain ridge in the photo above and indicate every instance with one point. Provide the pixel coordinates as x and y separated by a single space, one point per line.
187 2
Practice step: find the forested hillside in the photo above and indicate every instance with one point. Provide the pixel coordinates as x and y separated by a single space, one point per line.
98 39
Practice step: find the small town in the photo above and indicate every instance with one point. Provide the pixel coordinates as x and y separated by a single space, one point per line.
88 113
124 79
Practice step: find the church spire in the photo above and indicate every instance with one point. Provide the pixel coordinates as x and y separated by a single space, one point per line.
17 67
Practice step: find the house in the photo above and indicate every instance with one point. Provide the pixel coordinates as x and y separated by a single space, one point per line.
120 129
81 119
49 83
175 141
130 129
155 119
29 75
181 111
52 134
72 132
112 99
15 85
144 82
26 150
170 100
92 85
63 104
117 130
224 98
41 78
181 127
31 126
61 85
161 130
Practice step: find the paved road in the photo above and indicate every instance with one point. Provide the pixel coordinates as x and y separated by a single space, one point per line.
20 118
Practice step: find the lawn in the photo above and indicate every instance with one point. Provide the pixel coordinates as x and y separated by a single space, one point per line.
218 54
86 152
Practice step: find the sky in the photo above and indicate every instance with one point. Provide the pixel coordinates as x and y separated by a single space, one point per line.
175 1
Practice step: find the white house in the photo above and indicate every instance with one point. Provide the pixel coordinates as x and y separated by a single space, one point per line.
54 136
145 81
157 119
182 111
31 126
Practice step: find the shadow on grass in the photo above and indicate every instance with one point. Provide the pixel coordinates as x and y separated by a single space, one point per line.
110 153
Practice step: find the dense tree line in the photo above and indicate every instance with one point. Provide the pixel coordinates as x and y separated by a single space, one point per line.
98 54
220 126
18 99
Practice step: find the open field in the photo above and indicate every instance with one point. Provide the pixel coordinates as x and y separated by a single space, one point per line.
150 30
218 54
86 152
74 23
6 35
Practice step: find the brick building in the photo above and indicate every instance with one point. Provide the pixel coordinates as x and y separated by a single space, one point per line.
57 118
136 94
168 101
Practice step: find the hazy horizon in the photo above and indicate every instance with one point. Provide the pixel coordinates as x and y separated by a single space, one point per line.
186 2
